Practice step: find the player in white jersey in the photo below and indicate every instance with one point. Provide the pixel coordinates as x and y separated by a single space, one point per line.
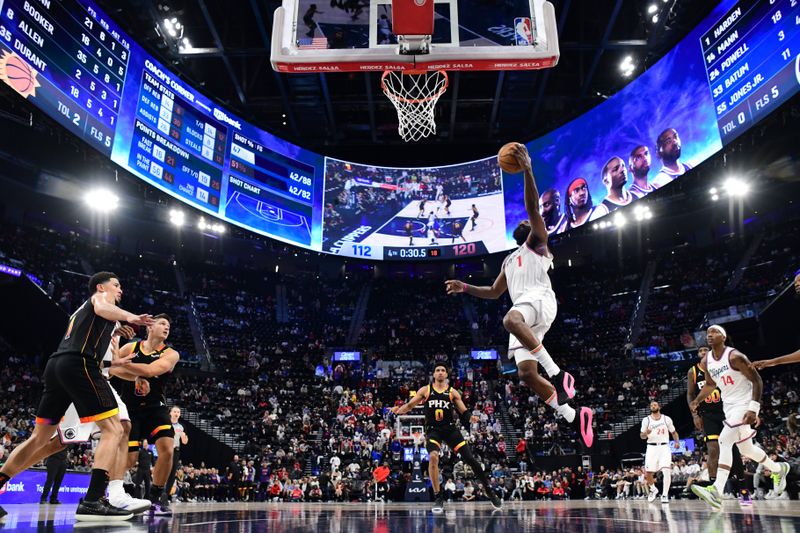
656 430
741 387
525 275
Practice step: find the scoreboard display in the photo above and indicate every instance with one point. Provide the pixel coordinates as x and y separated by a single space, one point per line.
71 60
752 58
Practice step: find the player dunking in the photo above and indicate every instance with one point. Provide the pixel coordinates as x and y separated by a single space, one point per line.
153 361
740 387
525 275
440 398
656 429
710 418
73 375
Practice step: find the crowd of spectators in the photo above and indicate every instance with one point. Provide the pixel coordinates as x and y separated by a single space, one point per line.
314 429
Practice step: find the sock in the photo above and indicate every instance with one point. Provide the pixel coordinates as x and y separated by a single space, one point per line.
722 479
667 481
567 412
97 485
544 359
772 465
115 490
155 492
3 479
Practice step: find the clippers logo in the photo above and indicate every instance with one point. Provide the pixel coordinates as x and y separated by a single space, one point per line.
522 31
420 3
69 434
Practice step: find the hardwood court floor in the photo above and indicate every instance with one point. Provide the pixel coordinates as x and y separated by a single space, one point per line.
570 516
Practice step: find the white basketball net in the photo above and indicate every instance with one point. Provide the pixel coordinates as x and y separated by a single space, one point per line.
414 95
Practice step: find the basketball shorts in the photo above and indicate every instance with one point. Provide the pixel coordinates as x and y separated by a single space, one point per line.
713 422
450 435
539 312
72 430
71 379
150 424
734 430
657 457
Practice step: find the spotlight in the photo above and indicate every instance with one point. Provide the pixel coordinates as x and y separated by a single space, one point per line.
715 197
177 217
627 66
712 190
101 200
202 224
652 9
619 220
736 187
655 19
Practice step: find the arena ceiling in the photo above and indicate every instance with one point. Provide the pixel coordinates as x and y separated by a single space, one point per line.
342 114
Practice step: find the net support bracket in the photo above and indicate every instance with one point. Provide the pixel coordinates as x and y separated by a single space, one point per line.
414 44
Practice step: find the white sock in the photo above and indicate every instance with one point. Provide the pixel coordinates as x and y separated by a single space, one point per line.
567 412
544 359
722 479
667 481
772 465
115 489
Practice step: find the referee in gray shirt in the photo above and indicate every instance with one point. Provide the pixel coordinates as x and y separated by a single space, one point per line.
180 439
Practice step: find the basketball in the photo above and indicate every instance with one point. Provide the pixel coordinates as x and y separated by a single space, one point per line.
507 160
18 74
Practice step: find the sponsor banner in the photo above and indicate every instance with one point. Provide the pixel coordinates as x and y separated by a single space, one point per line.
27 487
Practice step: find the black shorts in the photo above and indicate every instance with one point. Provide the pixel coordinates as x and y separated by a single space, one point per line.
449 435
150 424
74 379
713 422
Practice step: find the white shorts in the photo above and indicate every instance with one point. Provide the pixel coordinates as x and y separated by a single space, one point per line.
539 312
658 457
733 430
72 430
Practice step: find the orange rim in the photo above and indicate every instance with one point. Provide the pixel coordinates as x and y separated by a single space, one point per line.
439 93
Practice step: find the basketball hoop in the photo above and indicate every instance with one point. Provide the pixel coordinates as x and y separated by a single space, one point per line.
414 94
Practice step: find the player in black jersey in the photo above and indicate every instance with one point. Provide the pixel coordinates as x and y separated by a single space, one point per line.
474 217
440 398
710 418
152 361
73 375
409 228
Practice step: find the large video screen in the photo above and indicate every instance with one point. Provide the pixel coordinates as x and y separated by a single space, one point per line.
72 61
734 68
413 213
